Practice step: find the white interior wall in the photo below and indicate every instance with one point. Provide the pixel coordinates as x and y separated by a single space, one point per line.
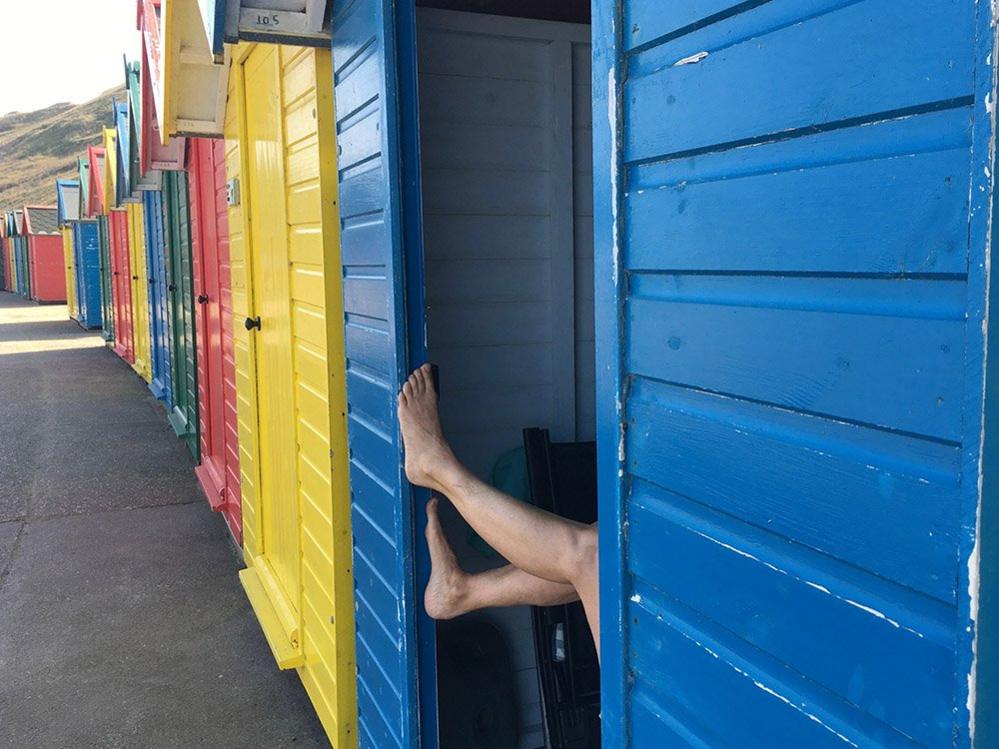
505 139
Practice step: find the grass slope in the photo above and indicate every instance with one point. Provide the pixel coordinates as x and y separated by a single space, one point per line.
36 148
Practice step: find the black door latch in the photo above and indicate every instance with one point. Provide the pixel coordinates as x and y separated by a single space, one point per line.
202 298
252 322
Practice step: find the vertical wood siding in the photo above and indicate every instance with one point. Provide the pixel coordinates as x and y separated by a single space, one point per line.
325 600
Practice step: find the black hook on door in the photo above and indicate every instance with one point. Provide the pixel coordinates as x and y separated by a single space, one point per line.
202 298
252 322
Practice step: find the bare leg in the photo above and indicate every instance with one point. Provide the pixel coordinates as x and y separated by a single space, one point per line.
537 542
452 592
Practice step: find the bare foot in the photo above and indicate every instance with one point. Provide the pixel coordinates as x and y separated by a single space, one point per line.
448 582
428 456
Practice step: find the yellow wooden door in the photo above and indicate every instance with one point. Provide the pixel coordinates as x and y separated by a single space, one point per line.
69 262
272 302
140 291
285 262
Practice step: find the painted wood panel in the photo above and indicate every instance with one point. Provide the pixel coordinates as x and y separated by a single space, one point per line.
772 220
69 263
121 284
161 383
212 287
376 125
284 263
180 309
87 250
108 308
140 291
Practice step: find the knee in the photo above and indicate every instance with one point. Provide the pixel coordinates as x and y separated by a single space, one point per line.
583 557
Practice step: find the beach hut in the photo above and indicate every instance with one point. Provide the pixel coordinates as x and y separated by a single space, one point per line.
68 206
218 471
45 254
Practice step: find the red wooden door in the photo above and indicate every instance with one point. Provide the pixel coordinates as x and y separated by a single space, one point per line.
121 282
219 469
48 272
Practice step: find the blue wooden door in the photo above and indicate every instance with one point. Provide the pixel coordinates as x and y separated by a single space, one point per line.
79 274
790 286
86 246
156 267
375 92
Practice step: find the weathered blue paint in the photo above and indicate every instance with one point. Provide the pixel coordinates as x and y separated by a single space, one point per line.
791 292
160 385
375 89
87 259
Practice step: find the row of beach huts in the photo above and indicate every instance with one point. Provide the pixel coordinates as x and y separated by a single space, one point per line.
714 274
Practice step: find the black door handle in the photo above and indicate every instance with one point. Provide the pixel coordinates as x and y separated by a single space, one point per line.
252 322
152 280
172 287
135 278
202 298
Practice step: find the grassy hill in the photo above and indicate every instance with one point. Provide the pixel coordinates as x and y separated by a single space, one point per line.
36 148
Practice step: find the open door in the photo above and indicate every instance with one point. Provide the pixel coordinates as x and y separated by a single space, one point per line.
375 92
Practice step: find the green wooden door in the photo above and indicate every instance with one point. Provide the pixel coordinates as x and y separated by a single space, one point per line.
180 309
107 306
26 267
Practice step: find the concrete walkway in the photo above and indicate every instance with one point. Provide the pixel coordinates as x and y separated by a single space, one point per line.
122 622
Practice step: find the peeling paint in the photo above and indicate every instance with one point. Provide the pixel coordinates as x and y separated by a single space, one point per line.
821 588
872 612
691 59
974 556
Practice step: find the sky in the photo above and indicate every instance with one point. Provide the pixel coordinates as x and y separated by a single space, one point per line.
63 50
